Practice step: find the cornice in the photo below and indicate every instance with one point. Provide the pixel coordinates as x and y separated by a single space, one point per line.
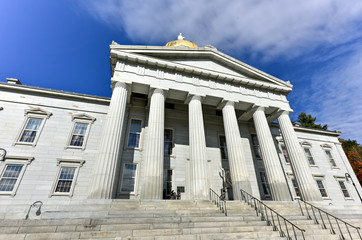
186 69
52 92
210 52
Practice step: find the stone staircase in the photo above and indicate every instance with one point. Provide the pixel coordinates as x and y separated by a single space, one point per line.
349 213
149 220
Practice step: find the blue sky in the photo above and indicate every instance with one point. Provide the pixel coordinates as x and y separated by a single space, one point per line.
316 45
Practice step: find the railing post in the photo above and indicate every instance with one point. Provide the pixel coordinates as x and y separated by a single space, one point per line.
323 224
330 224
300 206
316 221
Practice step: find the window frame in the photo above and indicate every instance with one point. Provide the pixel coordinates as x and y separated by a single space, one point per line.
24 161
264 182
83 119
343 179
172 142
128 133
328 148
307 145
135 181
61 163
256 147
32 113
321 178
226 160
282 145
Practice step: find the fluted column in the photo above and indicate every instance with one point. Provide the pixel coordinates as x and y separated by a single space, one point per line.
105 170
198 155
238 169
152 167
277 184
299 162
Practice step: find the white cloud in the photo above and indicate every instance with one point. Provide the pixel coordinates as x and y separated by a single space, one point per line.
266 29
280 27
336 96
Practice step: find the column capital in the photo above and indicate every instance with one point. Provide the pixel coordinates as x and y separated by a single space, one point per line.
191 96
226 102
159 90
116 84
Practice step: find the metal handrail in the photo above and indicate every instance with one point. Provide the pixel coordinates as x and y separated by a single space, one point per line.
320 211
219 202
262 210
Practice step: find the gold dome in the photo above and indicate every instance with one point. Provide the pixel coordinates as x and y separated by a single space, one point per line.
181 42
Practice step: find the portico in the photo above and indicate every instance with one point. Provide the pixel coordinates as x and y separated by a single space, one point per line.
198 78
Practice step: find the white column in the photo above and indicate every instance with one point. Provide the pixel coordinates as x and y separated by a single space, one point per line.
299 162
110 146
198 155
238 169
152 166
276 179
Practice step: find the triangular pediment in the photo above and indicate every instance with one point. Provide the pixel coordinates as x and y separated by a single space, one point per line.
202 61
37 111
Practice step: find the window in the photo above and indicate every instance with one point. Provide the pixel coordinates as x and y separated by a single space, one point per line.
285 153
344 189
309 156
134 133
66 177
168 141
256 146
80 130
11 173
10 177
30 130
296 187
321 188
330 158
264 184
32 126
129 178
224 152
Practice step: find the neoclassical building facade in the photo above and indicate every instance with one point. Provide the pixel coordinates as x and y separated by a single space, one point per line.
181 118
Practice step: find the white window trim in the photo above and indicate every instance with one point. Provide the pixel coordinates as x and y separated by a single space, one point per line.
342 178
80 118
135 182
291 187
327 147
173 143
321 177
65 162
253 146
139 148
15 160
308 145
281 144
32 113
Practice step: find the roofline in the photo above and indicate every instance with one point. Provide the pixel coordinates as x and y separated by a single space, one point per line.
58 93
148 60
312 130
210 50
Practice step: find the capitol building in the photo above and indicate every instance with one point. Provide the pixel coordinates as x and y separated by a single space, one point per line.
182 119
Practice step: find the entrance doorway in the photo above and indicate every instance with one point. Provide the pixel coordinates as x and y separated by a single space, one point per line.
167 183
